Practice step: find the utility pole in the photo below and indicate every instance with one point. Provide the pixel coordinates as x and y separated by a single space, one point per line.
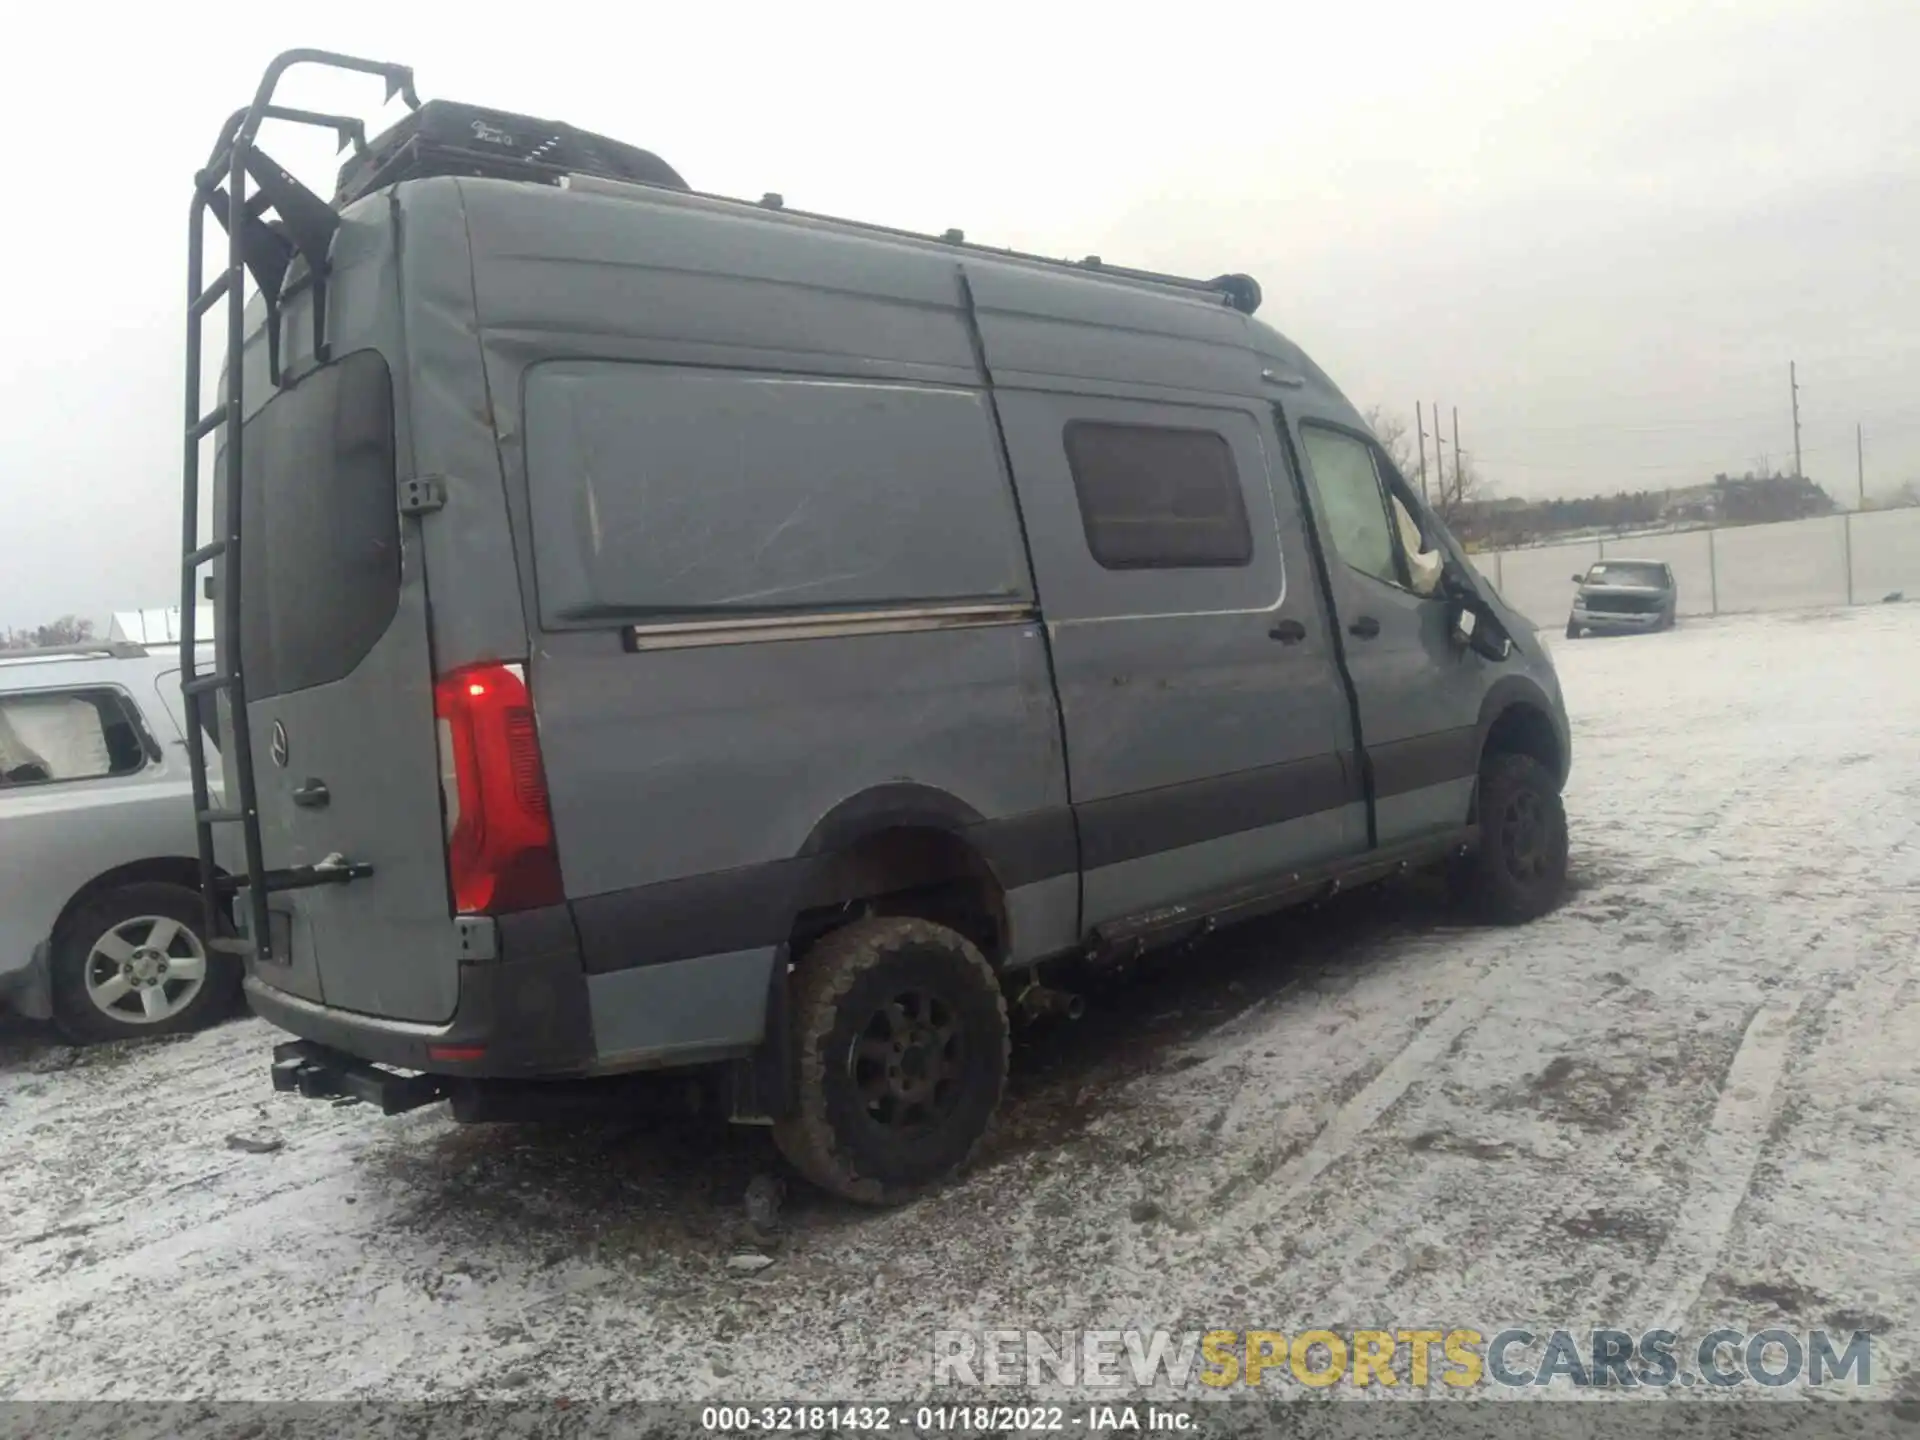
1793 379
1860 462
1459 478
1439 464
1420 429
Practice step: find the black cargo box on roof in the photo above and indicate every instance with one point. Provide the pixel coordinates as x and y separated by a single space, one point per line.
443 137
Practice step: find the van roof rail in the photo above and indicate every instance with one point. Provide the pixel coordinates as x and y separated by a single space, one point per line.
1239 292
98 649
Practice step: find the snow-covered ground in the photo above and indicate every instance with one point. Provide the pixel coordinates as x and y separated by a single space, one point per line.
1689 1096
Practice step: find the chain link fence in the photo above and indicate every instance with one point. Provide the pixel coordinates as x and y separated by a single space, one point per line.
1850 559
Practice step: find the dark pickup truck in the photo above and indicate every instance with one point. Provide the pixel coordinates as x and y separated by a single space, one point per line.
1623 597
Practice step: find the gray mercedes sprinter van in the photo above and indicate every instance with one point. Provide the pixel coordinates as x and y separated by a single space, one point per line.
665 631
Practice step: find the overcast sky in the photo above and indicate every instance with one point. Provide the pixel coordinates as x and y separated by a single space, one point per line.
1601 231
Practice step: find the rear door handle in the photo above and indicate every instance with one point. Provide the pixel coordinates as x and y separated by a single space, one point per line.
313 795
1366 627
1288 632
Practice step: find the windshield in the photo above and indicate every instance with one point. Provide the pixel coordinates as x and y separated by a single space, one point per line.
1627 572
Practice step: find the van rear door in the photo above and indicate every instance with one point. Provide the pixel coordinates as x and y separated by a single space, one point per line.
339 680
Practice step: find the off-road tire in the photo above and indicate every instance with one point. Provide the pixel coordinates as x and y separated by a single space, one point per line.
1518 870
845 985
83 1022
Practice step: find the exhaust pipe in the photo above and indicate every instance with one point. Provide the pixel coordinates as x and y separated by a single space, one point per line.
1037 1001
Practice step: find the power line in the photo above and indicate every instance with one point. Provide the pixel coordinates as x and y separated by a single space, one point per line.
1597 465
1829 362
1593 427
1682 463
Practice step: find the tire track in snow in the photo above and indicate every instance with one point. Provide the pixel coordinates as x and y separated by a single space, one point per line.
1723 1167
1341 1134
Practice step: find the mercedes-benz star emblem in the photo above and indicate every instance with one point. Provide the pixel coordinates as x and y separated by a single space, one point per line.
279 745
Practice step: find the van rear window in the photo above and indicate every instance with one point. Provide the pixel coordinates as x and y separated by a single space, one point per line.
1154 498
661 492
320 527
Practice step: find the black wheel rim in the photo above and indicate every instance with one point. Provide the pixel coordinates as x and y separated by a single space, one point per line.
1525 836
908 1060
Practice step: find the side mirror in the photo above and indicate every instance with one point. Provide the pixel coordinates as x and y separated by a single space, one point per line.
1463 623
1472 629
1578 579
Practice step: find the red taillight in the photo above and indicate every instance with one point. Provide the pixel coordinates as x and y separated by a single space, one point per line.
500 850
462 1054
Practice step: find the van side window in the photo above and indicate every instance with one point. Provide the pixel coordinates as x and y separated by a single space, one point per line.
1155 498
56 735
1354 502
686 493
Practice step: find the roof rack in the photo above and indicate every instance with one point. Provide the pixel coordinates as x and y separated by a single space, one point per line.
287 229
442 137
99 649
1238 292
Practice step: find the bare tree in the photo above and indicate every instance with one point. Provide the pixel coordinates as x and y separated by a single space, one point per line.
1452 496
67 630
1396 438
1462 498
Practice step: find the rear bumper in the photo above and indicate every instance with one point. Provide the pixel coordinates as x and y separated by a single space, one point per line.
524 1015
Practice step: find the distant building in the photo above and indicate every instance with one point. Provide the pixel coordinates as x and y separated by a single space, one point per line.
158 627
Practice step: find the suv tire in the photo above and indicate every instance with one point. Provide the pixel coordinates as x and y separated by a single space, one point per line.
902 1037
1519 869
134 952
1573 631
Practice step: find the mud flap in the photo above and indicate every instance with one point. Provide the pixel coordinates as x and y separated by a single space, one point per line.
31 994
761 1087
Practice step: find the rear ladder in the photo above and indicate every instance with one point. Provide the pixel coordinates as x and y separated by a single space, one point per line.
267 251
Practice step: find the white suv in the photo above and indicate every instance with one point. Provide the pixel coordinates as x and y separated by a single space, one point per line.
101 922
